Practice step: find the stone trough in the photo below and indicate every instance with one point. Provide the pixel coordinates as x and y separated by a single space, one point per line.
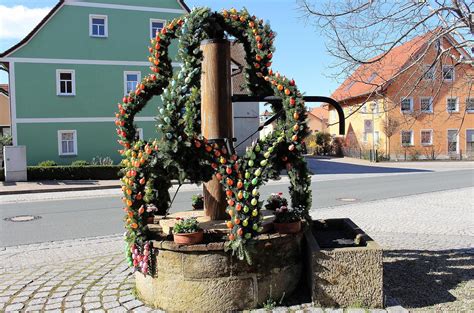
345 266
204 277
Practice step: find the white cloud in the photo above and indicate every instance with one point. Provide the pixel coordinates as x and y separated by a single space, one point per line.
17 21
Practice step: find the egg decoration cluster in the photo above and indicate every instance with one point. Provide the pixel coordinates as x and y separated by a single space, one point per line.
182 153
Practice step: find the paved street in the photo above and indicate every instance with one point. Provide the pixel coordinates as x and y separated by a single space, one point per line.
421 214
70 215
428 265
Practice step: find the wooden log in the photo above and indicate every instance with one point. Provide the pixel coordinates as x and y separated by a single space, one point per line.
216 114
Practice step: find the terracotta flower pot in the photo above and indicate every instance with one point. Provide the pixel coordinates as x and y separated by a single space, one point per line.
188 238
288 228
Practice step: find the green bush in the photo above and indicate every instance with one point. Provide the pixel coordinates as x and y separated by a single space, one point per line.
6 140
47 163
80 163
73 172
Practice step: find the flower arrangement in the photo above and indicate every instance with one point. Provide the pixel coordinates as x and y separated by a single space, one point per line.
276 201
186 226
186 231
287 221
197 201
286 215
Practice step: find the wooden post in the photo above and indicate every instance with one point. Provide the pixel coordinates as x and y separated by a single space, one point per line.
216 113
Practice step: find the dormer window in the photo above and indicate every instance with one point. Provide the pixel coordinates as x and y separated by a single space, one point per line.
98 26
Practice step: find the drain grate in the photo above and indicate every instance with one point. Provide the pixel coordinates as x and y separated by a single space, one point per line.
22 218
348 199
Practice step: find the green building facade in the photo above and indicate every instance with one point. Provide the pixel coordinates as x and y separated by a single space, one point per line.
67 76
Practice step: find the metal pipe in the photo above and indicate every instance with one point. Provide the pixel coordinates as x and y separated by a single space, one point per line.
321 99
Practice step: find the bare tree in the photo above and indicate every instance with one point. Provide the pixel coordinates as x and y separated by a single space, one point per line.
390 127
364 32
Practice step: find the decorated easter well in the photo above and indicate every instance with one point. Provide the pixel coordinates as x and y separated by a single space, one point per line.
241 262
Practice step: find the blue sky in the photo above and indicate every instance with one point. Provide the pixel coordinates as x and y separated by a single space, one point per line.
300 50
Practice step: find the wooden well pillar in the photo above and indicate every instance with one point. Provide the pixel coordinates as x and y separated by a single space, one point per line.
216 113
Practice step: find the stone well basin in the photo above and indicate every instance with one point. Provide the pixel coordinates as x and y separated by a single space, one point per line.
204 277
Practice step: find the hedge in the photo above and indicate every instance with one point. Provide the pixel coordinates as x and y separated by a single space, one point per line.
73 172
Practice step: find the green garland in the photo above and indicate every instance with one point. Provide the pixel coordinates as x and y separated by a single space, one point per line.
183 153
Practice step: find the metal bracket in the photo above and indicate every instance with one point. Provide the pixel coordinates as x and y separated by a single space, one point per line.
321 99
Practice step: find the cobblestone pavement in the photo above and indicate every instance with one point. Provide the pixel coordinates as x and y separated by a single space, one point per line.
428 261
429 246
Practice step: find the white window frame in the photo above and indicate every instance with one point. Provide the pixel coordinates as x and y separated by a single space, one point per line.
411 105
429 69
467 100
365 137
412 138
431 137
58 82
457 139
140 133
125 73
465 143
457 105
62 131
363 108
106 25
155 20
448 79
431 104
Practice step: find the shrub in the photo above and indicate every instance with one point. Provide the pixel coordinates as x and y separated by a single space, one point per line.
323 140
336 147
186 226
98 160
6 140
73 172
47 163
79 163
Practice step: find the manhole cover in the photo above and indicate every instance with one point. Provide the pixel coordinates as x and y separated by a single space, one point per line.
22 218
347 199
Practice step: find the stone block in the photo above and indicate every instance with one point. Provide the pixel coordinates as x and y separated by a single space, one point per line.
345 276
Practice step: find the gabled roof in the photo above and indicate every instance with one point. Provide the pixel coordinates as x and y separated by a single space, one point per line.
368 77
47 17
4 87
320 112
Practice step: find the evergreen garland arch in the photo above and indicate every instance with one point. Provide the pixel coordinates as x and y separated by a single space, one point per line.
184 154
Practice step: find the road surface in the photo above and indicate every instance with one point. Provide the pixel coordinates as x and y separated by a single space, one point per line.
71 215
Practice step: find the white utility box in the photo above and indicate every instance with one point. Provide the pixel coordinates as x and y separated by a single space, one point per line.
15 163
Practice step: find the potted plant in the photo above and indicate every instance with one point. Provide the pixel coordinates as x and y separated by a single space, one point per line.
287 221
276 201
151 210
197 201
187 231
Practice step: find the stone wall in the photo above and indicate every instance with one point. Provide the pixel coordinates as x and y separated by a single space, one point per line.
205 278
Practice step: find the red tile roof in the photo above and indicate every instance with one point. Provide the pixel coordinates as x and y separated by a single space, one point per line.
368 77
321 112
